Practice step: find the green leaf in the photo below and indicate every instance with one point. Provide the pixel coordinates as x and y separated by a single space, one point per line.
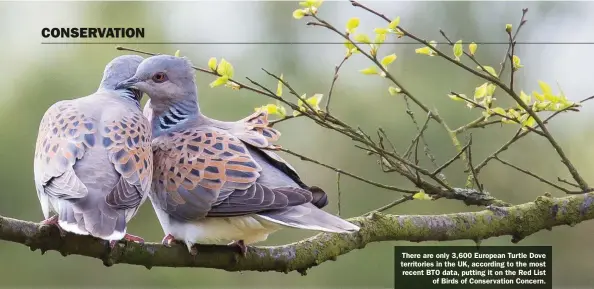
212 63
490 70
422 196
315 3
225 69
538 96
363 38
516 62
282 111
456 97
472 48
510 116
311 3
388 59
369 71
481 91
350 48
491 89
380 30
498 111
530 122
352 25
219 81
546 89
424 51
176 53
458 50
427 50
273 109
299 13
394 23
394 90
525 98
314 101
279 87
379 39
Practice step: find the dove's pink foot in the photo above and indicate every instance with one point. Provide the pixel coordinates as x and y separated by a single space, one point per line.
129 238
132 238
241 245
194 250
168 240
53 221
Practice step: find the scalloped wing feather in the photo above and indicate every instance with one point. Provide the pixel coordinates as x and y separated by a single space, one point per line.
127 139
207 171
65 133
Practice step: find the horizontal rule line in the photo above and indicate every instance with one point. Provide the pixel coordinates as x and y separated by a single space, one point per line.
305 43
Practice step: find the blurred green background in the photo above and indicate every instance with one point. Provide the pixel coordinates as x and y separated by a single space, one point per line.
34 76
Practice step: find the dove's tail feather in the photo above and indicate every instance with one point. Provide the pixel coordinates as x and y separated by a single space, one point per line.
309 217
320 198
101 222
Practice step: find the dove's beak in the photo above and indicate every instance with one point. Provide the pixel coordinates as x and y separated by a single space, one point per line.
128 83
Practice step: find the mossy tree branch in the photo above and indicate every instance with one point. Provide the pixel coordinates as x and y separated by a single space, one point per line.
499 219
517 221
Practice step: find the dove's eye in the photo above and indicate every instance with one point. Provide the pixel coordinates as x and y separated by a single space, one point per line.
159 77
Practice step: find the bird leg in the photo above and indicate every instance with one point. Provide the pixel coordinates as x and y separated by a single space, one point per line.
169 240
133 238
241 246
129 238
193 249
53 221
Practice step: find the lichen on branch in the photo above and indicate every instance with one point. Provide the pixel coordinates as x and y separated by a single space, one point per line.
517 221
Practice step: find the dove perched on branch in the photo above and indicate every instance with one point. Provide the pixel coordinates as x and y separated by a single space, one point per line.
93 160
214 180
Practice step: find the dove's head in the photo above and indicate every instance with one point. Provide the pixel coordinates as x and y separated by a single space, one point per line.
119 69
166 80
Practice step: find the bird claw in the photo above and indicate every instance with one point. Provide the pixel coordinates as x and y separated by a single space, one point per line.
169 240
193 250
128 238
133 238
53 221
112 244
241 246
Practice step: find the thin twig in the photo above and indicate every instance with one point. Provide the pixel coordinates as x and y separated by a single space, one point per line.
509 47
487 76
473 172
288 117
567 182
334 78
512 44
304 158
476 104
449 162
390 205
338 190
520 134
426 149
389 76
419 134
533 175
357 4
